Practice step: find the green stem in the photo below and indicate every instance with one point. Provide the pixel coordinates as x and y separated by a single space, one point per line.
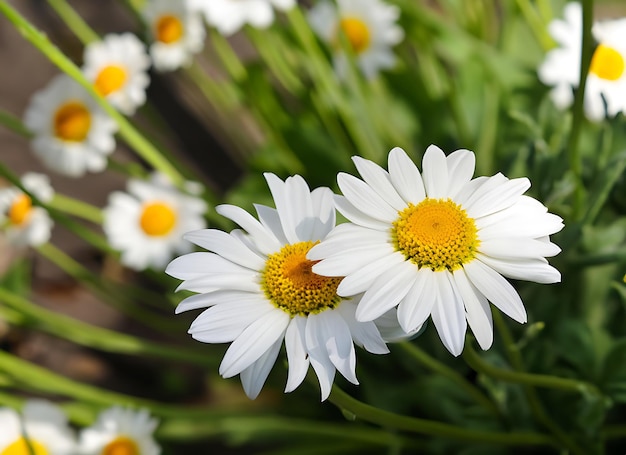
536 24
98 338
73 20
14 124
388 419
77 208
135 139
228 56
445 371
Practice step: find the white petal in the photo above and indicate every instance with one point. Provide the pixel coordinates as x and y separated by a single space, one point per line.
213 298
270 219
253 342
223 281
324 211
294 206
358 217
264 239
253 377
448 313
477 310
347 236
378 179
227 246
386 291
517 248
297 355
496 289
198 264
415 308
537 269
492 197
350 260
365 199
435 172
365 334
361 280
318 356
461 164
405 177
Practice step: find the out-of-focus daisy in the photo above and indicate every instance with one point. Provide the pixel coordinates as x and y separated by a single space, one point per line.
120 431
605 91
72 135
370 27
147 223
42 423
177 33
23 223
118 67
437 243
228 16
258 285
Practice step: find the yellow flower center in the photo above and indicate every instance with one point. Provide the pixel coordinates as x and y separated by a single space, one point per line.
121 446
291 285
436 233
20 447
357 33
169 29
607 63
110 79
20 209
72 122
157 219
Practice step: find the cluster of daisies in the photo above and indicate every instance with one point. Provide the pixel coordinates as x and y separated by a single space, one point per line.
42 428
605 89
435 245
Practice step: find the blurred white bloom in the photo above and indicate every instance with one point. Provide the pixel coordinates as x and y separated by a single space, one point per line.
605 92
176 31
118 67
228 16
23 223
120 431
258 285
45 426
147 223
370 27
437 244
72 135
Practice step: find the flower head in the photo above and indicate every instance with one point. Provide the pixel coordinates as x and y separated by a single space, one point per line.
147 223
120 431
228 16
44 425
24 223
260 290
437 244
72 135
176 31
368 25
118 67
605 91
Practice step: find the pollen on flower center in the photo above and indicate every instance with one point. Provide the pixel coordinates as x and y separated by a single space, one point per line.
121 446
357 33
607 63
436 233
72 122
291 285
20 447
168 29
157 219
20 209
110 79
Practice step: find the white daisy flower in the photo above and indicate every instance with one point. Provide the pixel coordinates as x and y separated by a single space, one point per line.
118 67
147 223
120 431
177 33
437 244
370 27
228 16
605 92
72 134
24 224
44 425
258 285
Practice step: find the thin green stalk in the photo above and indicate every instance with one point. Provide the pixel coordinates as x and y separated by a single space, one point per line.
228 56
575 160
598 259
133 137
73 20
98 338
445 371
14 124
77 208
614 172
388 419
536 24
485 147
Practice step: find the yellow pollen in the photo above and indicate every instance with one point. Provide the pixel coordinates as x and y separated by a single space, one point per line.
607 63
20 447
436 233
357 33
110 79
168 29
290 284
20 209
72 122
157 219
121 446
